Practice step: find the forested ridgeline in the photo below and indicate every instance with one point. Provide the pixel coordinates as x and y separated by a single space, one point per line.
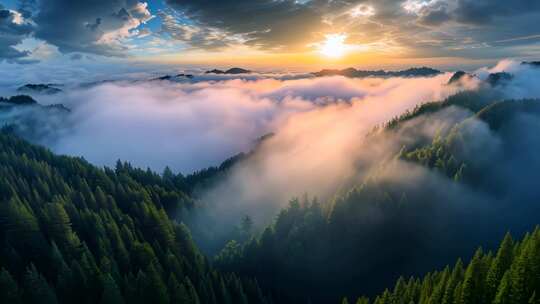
434 202
511 275
70 230
74 233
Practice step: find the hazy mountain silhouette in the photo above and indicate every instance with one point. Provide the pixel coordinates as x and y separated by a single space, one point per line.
229 71
354 73
48 89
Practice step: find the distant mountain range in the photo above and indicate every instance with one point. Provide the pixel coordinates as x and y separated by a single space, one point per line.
32 120
19 100
493 79
533 63
458 76
173 77
354 73
48 89
232 71
27 101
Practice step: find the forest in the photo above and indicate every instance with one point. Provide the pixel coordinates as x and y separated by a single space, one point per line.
387 227
74 233
71 229
507 275
269 152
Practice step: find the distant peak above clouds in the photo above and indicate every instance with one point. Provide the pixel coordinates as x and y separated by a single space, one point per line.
352 72
229 71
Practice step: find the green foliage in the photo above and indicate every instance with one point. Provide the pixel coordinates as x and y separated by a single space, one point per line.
75 233
511 271
385 225
9 291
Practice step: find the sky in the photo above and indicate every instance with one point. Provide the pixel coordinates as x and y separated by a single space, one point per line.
104 37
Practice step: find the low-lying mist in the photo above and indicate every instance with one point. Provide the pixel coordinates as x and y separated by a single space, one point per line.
397 215
319 127
190 126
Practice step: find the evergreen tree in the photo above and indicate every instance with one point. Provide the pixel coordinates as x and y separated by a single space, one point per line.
503 291
9 291
75 233
36 288
500 265
111 293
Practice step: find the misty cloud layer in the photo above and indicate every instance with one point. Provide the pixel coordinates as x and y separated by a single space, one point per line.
190 126
319 127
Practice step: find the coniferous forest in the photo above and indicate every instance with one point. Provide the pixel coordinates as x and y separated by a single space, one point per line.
386 228
76 233
73 233
269 152
507 275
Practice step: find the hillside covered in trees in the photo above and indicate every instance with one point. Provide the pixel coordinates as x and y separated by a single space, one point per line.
74 233
269 151
509 275
450 176
466 186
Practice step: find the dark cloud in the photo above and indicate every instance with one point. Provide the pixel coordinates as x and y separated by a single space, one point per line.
435 17
76 56
27 7
196 36
89 26
291 24
13 29
264 23
484 11
473 12
428 28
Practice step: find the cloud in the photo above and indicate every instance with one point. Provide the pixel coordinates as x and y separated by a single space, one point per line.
14 28
76 56
474 12
485 11
199 124
195 35
523 84
319 125
440 28
444 28
97 27
264 23
320 150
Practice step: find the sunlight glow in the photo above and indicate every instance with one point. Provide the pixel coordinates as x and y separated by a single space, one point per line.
334 46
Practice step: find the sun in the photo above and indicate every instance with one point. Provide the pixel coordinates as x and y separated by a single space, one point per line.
334 46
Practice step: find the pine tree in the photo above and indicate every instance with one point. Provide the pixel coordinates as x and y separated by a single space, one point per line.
177 292
66 287
500 265
87 231
503 291
518 276
473 281
9 291
156 291
193 296
440 288
111 293
533 299
362 300
455 278
36 288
